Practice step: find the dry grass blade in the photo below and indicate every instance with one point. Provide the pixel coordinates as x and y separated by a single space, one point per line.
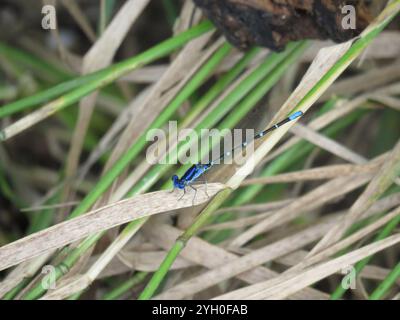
24 270
284 285
320 256
256 207
72 284
141 261
246 262
109 139
184 66
80 18
327 144
99 220
364 82
211 256
99 56
30 120
325 60
327 172
271 252
369 272
309 201
385 46
343 108
103 51
149 260
379 184
388 101
148 74
128 260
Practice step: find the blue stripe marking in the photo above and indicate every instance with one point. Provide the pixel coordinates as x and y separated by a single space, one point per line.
296 115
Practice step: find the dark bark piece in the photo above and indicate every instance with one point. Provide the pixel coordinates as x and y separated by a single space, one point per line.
273 23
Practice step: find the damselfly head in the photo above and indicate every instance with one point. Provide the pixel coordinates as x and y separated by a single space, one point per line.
177 182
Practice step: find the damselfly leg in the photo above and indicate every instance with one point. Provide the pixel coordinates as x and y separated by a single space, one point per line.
183 194
195 193
203 181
